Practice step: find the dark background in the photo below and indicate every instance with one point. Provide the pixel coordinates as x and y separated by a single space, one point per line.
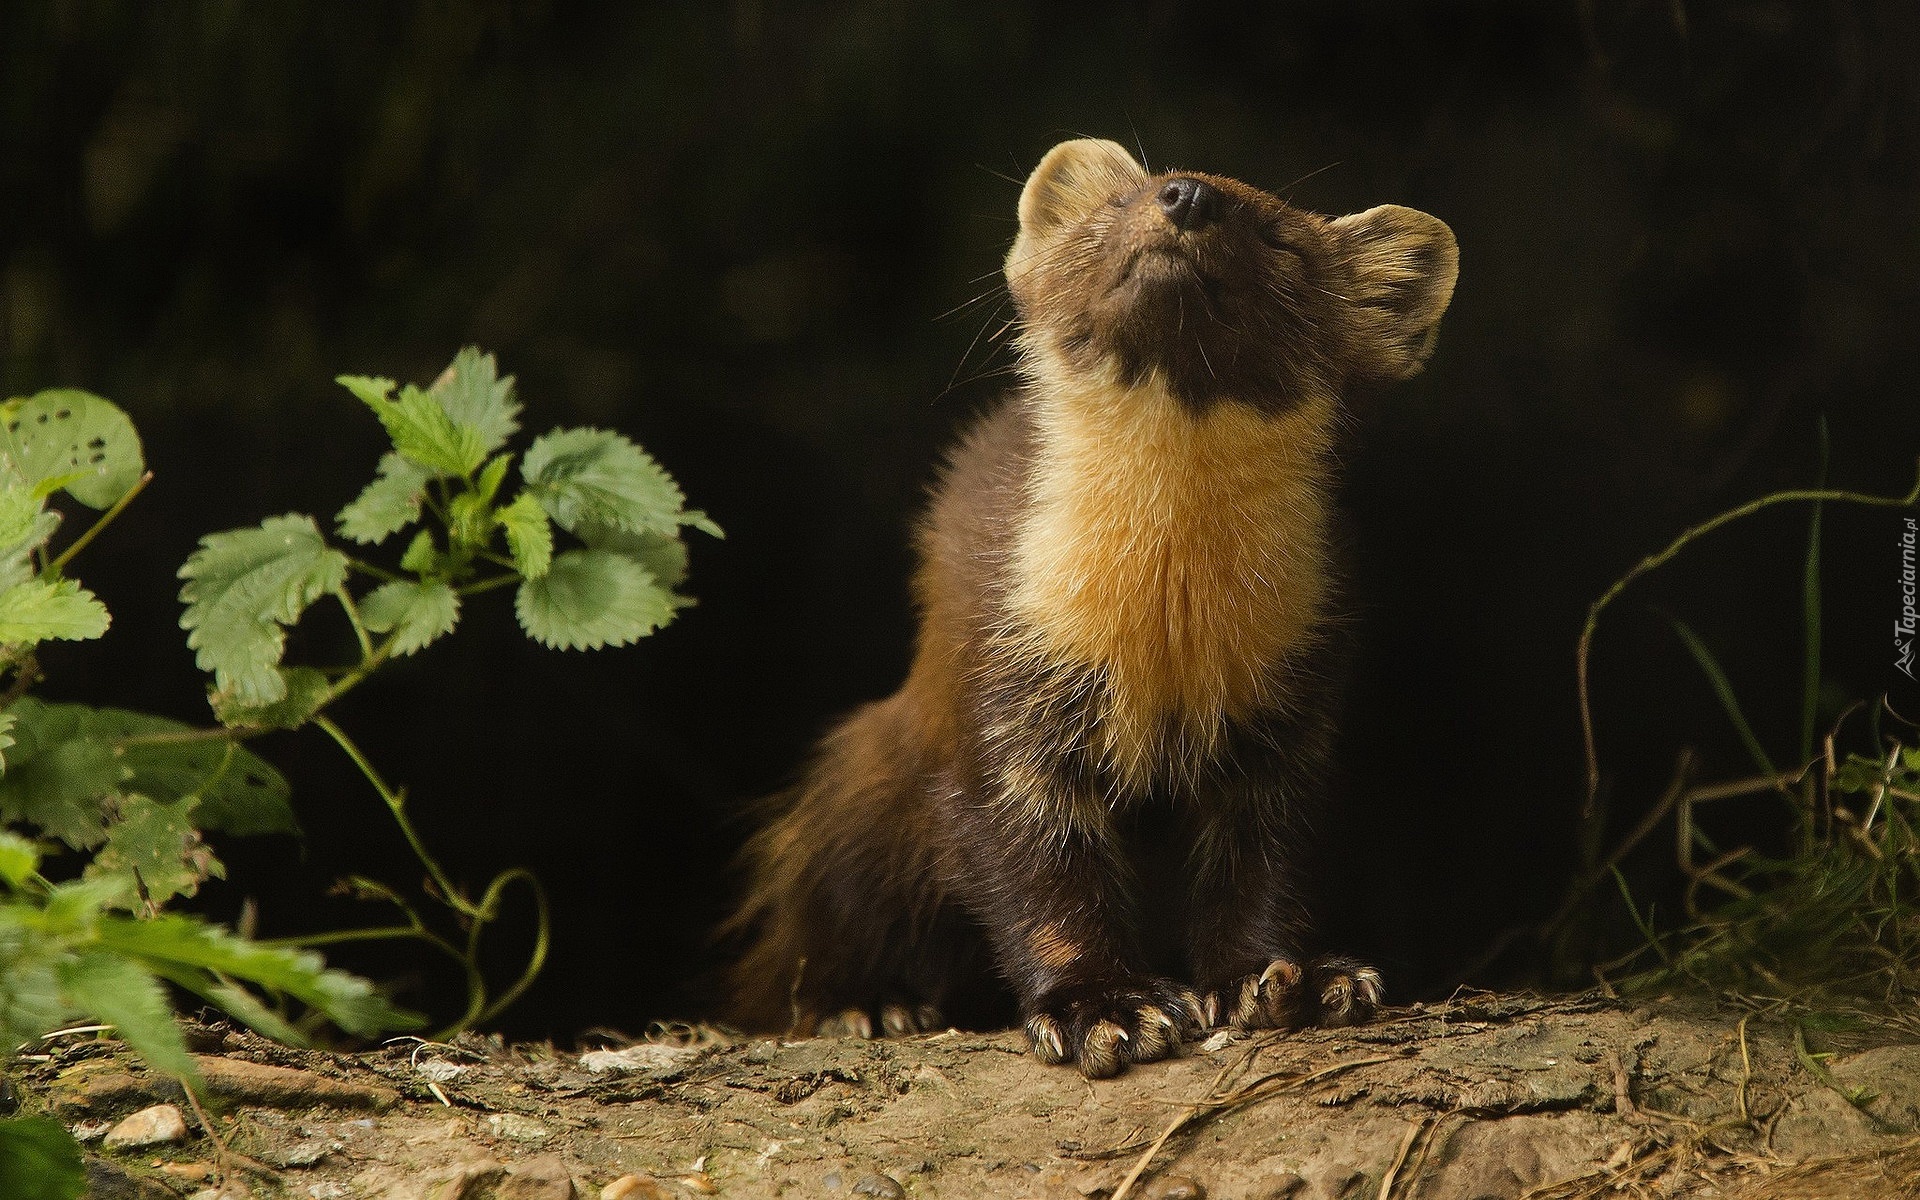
730 230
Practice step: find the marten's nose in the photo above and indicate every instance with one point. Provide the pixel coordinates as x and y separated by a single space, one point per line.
1188 203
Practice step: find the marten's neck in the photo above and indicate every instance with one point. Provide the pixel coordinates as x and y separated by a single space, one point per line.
1181 552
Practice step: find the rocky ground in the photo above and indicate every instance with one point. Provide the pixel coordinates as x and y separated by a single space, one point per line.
1489 1096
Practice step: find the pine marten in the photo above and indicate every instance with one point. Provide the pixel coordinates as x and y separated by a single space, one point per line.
1101 779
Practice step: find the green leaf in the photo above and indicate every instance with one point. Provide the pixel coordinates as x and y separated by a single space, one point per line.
243 587
696 519
60 777
592 598
37 610
30 999
71 439
421 558
475 398
236 790
418 614
664 557
177 941
529 535
21 512
487 484
154 852
7 720
590 475
19 859
420 428
389 504
39 1160
469 522
306 691
118 992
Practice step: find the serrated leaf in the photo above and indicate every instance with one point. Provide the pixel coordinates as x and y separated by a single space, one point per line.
591 475
154 852
469 521
592 598
417 614
475 397
118 992
20 512
37 610
75 440
19 859
177 941
7 720
306 691
420 428
30 1001
71 762
387 505
693 518
421 558
529 535
664 557
486 485
60 778
40 1160
243 587
236 790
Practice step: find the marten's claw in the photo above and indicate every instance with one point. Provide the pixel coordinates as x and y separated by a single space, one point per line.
896 1020
1102 1028
1331 991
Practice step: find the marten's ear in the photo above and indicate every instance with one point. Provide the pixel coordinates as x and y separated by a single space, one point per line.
1072 180
1404 264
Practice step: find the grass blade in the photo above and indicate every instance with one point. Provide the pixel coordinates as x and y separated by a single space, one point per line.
1724 690
1810 612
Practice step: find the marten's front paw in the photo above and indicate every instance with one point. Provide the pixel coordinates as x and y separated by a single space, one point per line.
1347 990
1103 1027
1332 991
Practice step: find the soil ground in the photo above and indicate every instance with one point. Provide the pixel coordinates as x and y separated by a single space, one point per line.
1487 1096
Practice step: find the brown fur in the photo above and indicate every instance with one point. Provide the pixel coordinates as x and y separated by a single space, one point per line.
1100 775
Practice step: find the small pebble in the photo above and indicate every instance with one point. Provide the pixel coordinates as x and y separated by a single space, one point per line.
884 1186
699 1182
517 1127
635 1187
149 1127
1175 1187
833 1182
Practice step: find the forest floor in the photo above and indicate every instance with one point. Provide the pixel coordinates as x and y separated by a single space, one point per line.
1487 1096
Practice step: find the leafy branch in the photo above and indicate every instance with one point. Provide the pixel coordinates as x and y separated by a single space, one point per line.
445 480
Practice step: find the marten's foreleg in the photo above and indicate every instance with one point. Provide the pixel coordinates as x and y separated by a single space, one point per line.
1050 886
1254 892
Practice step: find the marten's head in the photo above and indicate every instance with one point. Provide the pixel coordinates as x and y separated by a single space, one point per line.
1215 288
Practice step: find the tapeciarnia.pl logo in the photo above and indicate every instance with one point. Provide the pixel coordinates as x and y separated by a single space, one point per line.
1903 625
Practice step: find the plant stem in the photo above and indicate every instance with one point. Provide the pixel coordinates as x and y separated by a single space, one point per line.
93 531
488 584
1652 561
397 804
541 939
353 617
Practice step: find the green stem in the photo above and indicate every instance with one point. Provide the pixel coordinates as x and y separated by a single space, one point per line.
186 737
542 938
397 804
93 531
353 616
1655 560
489 584
378 572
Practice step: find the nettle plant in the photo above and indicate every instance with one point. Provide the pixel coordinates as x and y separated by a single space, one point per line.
105 810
